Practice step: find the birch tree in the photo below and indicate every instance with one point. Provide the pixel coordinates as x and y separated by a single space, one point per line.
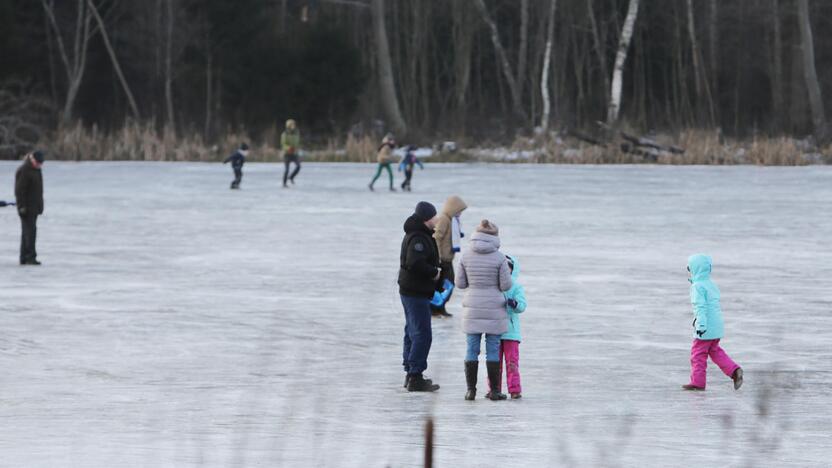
620 60
547 59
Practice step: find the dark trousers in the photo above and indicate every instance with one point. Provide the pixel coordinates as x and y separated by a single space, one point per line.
288 159
408 173
27 239
417 334
238 177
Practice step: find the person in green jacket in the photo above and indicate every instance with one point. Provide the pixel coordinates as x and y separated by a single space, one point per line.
290 144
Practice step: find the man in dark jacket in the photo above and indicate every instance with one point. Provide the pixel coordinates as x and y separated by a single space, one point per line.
237 160
28 189
418 272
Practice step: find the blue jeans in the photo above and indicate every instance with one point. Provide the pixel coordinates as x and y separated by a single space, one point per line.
417 334
492 347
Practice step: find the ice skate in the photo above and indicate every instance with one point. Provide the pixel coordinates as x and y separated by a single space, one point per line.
737 378
693 388
516 396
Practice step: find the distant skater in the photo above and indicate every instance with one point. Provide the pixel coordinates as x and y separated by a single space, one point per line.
385 160
237 160
28 190
290 144
708 326
408 164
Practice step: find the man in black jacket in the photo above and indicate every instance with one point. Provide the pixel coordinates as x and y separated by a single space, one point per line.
237 160
28 189
418 272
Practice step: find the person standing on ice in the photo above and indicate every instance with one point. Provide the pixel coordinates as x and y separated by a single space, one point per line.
237 160
290 144
485 275
385 160
708 326
510 341
418 272
408 164
448 237
28 191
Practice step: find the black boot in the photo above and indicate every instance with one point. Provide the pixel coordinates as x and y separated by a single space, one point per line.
494 380
419 384
407 380
471 379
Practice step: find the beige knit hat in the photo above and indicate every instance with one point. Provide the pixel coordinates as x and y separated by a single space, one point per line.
487 227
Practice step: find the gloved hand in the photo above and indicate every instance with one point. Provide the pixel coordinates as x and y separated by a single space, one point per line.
511 303
22 210
700 333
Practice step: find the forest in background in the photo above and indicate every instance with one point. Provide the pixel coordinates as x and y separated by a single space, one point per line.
172 79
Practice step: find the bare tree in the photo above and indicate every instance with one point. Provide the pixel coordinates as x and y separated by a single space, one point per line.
390 101
76 65
703 90
810 74
547 59
168 69
514 87
620 59
132 101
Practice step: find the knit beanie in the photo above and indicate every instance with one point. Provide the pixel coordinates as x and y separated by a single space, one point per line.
425 211
487 227
39 156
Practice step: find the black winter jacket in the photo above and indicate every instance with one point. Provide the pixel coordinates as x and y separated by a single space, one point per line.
419 260
28 189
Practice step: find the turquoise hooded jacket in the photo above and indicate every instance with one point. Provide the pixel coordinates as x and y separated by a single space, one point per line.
518 294
704 295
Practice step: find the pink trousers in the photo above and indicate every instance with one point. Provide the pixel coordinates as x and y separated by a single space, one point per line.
699 353
510 354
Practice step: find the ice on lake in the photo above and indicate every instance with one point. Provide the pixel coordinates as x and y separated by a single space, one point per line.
177 323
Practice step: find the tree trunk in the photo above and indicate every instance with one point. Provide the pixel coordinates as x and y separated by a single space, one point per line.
463 34
703 90
600 48
75 67
514 88
777 71
809 72
547 59
171 121
389 100
523 51
133 107
620 60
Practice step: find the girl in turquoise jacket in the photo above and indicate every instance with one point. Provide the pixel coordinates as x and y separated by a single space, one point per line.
708 327
510 341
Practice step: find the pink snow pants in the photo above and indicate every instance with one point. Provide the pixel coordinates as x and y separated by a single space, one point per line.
510 354
699 353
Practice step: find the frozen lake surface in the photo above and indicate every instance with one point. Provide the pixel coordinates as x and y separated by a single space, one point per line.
177 323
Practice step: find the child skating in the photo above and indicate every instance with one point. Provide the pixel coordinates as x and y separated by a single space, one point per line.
237 160
510 341
408 164
708 326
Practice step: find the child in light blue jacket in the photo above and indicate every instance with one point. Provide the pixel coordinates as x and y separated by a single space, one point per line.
707 325
510 340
